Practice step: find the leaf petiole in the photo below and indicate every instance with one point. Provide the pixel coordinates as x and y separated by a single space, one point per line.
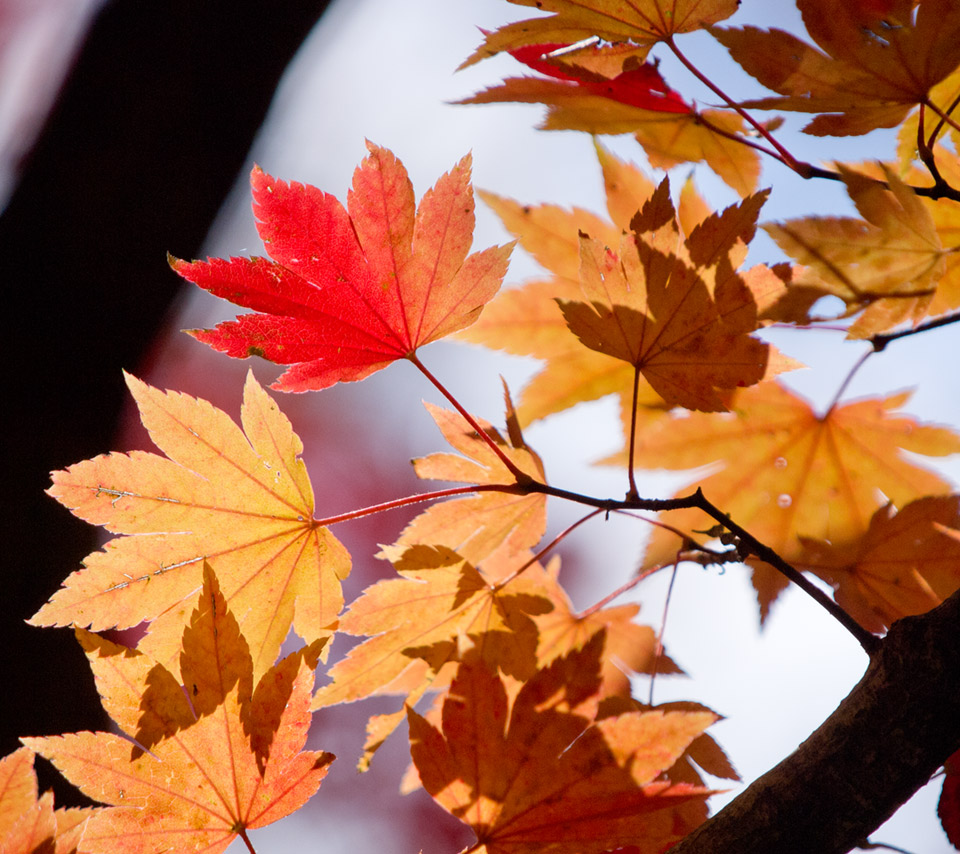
522 478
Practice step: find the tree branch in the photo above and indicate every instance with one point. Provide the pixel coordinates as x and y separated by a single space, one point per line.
884 741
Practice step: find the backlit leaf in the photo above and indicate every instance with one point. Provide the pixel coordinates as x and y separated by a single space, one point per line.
904 564
889 262
628 97
527 320
641 22
28 824
783 471
650 307
869 72
240 766
536 771
238 498
348 291
416 623
475 527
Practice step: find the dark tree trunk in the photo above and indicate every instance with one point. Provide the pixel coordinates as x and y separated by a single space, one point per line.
884 741
143 144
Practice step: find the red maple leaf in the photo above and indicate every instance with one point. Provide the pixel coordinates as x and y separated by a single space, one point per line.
348 291
638 84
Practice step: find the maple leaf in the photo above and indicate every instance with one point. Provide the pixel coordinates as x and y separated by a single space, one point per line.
630 648
414 624
239 766
904 564
606 89
643 23
239 498
28 824
538 772
889 262
702 754
946 92
527 320
649 306
350 291
477 526
782 471
874 68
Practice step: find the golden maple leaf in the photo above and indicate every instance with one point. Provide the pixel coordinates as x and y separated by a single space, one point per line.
783 472
875 65
228 759
238 498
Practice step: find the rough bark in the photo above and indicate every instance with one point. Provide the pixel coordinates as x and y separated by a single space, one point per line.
896 727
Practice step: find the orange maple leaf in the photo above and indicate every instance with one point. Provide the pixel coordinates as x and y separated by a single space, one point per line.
888 263
876 66
416 623
650 306
527 320
536 771
28 824
904 564
239 764
630 647
350 291
241 499
643 23
477 526
783 471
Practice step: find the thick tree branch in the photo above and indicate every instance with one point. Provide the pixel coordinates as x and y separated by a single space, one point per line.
883 742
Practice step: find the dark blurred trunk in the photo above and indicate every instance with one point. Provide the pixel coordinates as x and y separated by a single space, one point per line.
142 146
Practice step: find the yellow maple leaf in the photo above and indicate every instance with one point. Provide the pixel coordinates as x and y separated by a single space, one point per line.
888 263
228 759
29 824
783 472
238 498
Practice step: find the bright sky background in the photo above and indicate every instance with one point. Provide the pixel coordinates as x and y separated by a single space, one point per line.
384 71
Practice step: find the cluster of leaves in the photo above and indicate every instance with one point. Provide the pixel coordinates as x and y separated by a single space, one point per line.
533 738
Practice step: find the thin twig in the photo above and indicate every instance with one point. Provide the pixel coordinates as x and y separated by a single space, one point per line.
748 544
632 492
407 500
521 477
846 382
880 341
663 628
